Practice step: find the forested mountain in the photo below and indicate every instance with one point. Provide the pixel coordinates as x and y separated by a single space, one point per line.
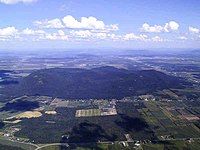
103 82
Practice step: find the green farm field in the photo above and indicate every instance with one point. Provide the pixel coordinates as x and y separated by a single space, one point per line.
88 113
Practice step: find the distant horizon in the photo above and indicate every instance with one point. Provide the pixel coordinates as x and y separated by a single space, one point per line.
93 50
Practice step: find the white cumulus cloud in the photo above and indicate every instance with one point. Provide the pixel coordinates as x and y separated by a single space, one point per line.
169 26
81 33
157 39
8 31
28 31
132 36
93 35
59 35
90 23
85 23
147 28
54 23
194 30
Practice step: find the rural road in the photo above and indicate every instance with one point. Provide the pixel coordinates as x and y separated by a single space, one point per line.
53 144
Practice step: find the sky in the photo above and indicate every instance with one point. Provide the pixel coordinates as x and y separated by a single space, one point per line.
132 24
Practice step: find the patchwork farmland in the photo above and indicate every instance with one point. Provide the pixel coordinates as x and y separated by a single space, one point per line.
96 112
88 112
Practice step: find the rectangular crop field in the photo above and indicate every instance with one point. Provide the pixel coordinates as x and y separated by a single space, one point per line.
88 112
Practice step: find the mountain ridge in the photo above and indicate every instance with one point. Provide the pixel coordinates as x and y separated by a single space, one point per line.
103 82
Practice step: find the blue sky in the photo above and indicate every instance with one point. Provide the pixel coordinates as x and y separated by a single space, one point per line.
37 24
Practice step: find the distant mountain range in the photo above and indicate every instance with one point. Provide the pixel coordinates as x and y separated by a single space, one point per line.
103 82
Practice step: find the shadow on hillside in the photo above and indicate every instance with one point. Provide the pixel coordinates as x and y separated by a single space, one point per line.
86 135
131 124
20 105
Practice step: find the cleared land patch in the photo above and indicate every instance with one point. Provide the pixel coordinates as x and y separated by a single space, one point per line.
88 112
13 122
96 112
29 114
50 112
